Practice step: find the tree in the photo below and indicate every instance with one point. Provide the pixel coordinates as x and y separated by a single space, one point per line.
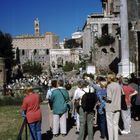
6 52
105 40
68 66
32 68
72 43
17 56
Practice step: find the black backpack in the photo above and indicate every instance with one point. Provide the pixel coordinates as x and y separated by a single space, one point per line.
89 101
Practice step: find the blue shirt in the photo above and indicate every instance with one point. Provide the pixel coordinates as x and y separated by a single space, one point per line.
100 94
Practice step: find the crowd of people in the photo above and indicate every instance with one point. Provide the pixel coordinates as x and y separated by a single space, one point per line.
116 99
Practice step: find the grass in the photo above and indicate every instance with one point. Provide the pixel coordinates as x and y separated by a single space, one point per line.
10 122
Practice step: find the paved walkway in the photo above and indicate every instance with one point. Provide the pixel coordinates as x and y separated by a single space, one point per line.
134 135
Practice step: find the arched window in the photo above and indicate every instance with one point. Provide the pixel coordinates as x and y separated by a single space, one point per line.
53 64
23 52
60 62
47 51
35 51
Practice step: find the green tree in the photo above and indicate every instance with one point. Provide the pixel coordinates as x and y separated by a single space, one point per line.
105 40
68 66
6 52
17 56
32 68
72 43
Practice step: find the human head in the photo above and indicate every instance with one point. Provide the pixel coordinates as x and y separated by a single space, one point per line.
111 78
60 83
28 90
79 83
125 81
103 83
119 78
99 79
54 83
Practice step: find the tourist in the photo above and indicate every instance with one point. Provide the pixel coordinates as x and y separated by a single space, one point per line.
51 86
135 100
59 98
31 108
113 108
86 118
102 96
129 92
76 101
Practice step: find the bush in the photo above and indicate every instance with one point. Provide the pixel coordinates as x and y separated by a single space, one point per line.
9 100
105 40
32 68
68 66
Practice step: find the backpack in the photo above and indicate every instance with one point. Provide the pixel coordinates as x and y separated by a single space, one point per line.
88 101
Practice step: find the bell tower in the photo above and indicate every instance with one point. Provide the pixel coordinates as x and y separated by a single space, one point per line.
36 27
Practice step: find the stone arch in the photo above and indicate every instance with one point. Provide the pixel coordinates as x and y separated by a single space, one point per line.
59 62
53 64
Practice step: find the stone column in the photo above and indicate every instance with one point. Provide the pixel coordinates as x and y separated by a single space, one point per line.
110 28
125 66
99 29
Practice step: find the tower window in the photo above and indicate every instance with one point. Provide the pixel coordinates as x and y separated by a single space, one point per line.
36 30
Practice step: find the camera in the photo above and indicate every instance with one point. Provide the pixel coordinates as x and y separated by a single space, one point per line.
107 99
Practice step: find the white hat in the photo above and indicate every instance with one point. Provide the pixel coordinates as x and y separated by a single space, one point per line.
118 75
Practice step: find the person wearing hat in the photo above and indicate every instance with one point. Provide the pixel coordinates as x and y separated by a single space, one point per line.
128 91
31 108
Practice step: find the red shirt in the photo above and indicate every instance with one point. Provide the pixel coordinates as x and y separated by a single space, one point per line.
128 90
31 104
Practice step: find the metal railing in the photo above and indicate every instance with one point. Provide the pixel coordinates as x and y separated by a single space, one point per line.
26 126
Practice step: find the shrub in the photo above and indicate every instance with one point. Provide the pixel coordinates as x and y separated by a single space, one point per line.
68 66
9 100
32 68
105 40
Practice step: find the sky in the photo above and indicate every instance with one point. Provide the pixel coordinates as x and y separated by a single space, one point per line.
62 17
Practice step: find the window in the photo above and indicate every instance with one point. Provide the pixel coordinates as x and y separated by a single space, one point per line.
23 52
47 51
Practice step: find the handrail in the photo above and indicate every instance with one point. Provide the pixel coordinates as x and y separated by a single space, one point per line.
25 124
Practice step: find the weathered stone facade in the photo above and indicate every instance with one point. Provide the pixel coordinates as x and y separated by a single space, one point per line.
111 17
36 47
94 27
58 57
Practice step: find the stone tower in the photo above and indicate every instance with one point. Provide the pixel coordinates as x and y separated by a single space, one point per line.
36 27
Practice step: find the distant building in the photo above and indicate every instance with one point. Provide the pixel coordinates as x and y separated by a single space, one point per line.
36 47
77 35
96 26
59 57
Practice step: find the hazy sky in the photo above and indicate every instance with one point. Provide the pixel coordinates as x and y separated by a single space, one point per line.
63 17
